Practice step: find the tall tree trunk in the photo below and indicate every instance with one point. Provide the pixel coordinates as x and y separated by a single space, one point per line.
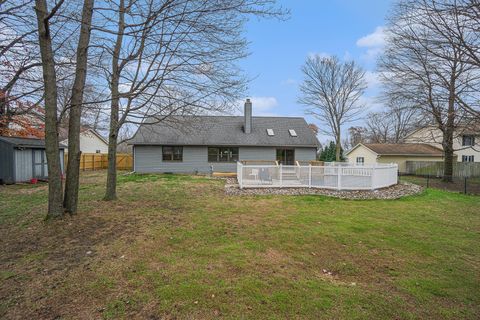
447 144
70 200
338 148
55 208
4 121
448 156
111 190
447 141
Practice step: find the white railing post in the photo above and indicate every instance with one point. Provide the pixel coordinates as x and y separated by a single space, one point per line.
395 168
339 177
372 177
310 176
281 173
239 174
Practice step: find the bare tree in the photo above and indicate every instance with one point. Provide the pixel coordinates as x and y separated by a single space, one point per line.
460 24
391 125
62 60
425 67
55 192
20 68
404 120
379 127
331 91
166 58
21 82
356 135
73 167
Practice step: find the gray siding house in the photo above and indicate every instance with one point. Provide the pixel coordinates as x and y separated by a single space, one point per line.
215 143
22 159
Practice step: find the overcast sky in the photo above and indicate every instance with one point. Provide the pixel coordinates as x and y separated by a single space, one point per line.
350 29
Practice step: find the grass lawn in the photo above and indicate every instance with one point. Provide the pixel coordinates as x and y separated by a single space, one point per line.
175 246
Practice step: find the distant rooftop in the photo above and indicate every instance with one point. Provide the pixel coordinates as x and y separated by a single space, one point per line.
404 149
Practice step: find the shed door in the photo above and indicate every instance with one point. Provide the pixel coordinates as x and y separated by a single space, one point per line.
40 169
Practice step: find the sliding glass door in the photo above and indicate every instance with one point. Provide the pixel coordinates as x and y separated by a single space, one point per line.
286 156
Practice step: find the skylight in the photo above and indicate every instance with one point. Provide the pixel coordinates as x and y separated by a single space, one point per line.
292 132
270 132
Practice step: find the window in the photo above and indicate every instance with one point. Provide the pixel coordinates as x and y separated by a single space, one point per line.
219 154
360 160
292 132
171 153
270 132
468 159
468 140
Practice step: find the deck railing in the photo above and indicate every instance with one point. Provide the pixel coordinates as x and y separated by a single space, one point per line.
338 177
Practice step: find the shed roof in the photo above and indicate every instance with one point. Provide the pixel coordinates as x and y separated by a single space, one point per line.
418 149
226 130
21 142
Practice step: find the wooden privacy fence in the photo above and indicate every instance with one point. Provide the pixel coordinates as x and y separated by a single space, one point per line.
99 161
435 168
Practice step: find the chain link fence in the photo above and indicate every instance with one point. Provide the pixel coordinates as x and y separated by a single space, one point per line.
466 185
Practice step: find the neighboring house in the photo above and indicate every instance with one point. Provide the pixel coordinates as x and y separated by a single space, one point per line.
22 159
399 153
90 141
466 143
215 143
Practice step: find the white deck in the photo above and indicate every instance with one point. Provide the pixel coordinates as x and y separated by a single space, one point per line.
332 176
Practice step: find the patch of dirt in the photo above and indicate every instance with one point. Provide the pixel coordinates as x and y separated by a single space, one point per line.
274 256
23 188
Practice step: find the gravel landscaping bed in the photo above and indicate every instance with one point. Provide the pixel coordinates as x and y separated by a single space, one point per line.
393 192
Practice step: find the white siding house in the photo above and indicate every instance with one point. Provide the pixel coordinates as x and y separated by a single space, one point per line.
90 142
466 143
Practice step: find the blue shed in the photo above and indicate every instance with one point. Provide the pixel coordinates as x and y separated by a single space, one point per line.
22 159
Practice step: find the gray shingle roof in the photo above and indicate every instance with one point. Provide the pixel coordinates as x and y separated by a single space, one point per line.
26 142
226 131
404 149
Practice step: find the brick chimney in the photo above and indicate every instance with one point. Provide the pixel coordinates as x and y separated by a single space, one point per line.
248 116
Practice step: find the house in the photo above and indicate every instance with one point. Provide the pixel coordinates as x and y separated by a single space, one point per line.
90 141
22 159
399 153
215 143
466 142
